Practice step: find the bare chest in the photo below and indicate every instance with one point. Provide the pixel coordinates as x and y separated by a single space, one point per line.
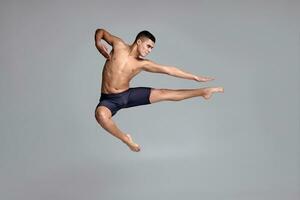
123 65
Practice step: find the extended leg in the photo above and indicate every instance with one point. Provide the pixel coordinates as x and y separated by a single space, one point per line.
157 95
103 117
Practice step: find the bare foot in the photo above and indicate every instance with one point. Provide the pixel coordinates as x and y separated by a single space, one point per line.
133 146
209 91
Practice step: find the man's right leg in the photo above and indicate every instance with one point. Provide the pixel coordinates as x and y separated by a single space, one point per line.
104 118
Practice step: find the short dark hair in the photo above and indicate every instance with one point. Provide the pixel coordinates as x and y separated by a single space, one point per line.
146 34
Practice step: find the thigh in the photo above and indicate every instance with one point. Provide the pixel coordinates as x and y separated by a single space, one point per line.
106 107
139 96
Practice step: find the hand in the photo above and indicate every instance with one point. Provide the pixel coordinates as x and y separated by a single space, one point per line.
104 51
203 79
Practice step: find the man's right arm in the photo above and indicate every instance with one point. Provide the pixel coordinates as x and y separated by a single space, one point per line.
112 40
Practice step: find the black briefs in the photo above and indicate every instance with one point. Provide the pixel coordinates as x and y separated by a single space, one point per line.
132 97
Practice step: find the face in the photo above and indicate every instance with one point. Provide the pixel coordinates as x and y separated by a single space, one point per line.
145 46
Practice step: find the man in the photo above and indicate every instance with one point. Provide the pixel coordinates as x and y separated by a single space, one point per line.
124 62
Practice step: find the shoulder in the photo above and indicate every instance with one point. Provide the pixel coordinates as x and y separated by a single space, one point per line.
118 42
143 63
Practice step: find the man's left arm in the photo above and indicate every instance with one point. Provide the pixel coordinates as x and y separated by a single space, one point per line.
172 71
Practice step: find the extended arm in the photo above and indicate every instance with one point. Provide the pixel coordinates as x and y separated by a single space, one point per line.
102 34
172 71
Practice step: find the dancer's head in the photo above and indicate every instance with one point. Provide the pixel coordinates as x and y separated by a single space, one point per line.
145 43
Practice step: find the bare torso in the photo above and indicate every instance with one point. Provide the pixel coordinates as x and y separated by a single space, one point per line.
119 70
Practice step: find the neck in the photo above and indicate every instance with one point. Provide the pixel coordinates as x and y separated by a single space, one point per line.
133 51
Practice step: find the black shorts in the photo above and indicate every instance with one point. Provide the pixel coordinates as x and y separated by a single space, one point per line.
132 97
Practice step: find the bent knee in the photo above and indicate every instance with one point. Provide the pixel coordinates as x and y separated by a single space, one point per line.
102 114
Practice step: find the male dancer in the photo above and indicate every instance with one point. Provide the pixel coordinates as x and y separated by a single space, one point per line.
124 62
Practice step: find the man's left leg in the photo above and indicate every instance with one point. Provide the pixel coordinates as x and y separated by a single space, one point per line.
158 95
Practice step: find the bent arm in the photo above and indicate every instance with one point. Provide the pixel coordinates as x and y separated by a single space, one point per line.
112 40
172 71
105 35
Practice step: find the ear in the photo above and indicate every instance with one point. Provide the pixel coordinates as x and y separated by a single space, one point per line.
139 41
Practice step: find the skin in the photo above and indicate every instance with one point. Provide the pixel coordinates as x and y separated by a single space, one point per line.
123 63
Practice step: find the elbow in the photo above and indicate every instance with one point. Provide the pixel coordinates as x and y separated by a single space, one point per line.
99 34
99 31
169 71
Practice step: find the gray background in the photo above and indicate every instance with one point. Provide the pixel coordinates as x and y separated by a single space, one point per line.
243 144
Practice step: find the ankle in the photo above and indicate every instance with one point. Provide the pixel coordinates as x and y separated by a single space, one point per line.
125 139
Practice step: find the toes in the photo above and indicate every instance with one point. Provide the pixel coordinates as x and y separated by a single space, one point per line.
136 149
